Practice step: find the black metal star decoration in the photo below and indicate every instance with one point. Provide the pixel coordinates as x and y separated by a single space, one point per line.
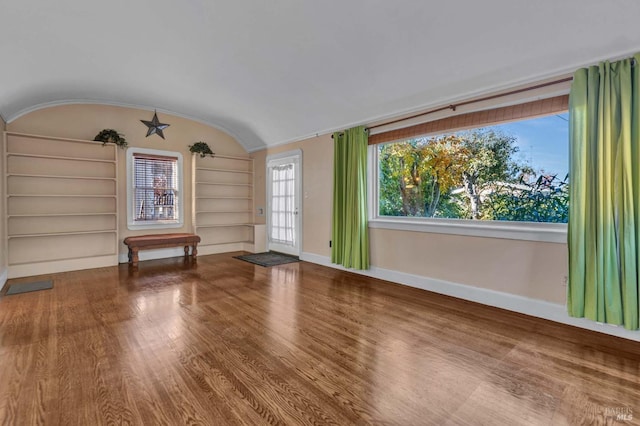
155 126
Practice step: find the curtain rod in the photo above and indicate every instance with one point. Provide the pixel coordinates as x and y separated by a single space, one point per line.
453 107
473 101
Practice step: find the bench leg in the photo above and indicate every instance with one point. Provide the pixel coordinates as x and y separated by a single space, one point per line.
186 251
130 256
194 251
134 256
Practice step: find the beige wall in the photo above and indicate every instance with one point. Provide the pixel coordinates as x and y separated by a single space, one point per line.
3 254
525 268
85 121
317 190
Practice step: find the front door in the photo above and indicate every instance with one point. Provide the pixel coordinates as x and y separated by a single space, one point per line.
284 203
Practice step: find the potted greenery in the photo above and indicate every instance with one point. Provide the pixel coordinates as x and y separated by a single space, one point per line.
201 148
111 136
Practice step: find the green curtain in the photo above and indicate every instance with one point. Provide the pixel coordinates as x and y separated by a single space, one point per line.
604 210
350 234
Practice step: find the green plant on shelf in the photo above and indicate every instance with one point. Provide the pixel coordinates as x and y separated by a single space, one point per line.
111 136
201 148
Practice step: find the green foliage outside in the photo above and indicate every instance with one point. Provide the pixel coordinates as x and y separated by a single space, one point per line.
545 200
467 175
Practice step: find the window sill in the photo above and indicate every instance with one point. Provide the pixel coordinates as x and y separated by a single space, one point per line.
527 231
154 225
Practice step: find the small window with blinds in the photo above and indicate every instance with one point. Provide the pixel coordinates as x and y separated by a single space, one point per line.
155 188
155 191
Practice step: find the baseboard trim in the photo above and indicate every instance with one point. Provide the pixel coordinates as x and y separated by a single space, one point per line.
4 276
511 302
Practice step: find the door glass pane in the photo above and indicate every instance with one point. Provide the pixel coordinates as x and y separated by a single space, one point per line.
282 205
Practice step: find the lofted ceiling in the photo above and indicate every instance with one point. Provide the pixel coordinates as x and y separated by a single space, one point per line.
270 72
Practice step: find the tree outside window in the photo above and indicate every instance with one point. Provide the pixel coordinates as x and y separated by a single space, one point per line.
478 174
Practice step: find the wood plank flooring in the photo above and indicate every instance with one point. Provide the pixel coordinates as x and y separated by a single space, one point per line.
225 342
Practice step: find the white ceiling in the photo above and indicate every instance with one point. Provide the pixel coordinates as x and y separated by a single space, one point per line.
270 72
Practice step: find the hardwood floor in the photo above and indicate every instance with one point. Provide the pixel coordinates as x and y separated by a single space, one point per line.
227 342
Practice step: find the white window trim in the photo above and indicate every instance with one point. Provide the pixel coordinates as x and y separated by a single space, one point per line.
133 225
527 231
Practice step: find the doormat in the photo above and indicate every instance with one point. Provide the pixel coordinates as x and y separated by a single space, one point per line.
27 287
270 258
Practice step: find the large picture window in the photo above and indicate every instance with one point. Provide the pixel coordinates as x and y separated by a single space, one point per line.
504 175
513 172
154 192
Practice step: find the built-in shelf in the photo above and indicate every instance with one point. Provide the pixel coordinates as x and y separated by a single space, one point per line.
224 184
62 214
66 258
227 242
63 195
223 198
224 211
225 225
30 235
210 169
57 234
61 177
232 157
231 180
58 157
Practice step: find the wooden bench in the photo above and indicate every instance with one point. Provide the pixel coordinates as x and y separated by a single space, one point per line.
156 241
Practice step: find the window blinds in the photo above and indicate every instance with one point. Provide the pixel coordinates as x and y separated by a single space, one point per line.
155 181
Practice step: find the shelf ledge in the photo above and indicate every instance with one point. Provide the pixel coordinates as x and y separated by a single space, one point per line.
222 198
58 157
56 234
62 214
224 225
211 169
226 242
223 211
62 195
224 184
60 177
231 157
34 262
